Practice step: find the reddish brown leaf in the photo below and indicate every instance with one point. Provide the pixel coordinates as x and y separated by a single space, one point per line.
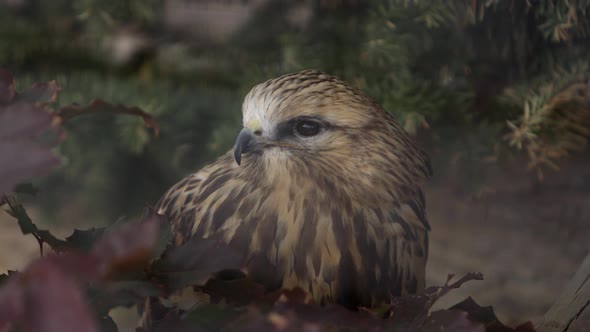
6 86
406 311
27 226
287 316
333 316
40 93
54 301
237 292
22 160
451 321
12 302
411 311
23 121
83 268
436 292
121 293
172 322
487 316
525 327
100 106
195 262
128 246
84 239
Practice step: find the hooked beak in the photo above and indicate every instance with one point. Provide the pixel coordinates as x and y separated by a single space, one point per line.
245 143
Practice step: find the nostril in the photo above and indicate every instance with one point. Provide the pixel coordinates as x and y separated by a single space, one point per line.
258 132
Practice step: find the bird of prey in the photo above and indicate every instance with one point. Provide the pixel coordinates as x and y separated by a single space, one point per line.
323 184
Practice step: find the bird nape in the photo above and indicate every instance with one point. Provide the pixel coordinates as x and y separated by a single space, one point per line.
323 184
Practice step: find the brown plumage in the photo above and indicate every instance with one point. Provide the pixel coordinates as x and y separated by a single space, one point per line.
323 184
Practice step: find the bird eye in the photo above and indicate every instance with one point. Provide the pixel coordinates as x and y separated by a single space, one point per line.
307 128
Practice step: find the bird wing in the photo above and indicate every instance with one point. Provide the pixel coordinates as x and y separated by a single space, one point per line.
351 254
197 193
383 253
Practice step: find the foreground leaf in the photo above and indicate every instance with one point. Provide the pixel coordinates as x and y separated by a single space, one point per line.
44 298
21 161
435 293
20 157
195 262
451 320
120 294
28 227
235 292
412 311
85 239
303 318
23 121
129 246
53 298
487 316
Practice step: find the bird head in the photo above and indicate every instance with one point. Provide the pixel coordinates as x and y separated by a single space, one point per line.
305 112
313 123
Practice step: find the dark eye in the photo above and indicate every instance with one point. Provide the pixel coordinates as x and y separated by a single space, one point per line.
307 128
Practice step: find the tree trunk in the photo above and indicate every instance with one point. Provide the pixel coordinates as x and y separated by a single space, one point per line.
571 311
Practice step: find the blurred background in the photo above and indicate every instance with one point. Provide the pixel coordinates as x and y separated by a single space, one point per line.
496 91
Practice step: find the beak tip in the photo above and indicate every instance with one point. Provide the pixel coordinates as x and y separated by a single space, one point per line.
244 144
238 157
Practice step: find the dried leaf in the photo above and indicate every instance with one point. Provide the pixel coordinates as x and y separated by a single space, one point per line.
122 249
120 294
19 161
210 317
28 227
54 301
164 232
172 322
436 293
525 327
236 292
412 310
107 324
405 312
6 276
333 316
451 321
20 157
195 262
81 267
12 302
42 298
100 106
287 316
487 316
84 239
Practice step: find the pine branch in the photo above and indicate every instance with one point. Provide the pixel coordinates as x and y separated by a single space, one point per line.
555 120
